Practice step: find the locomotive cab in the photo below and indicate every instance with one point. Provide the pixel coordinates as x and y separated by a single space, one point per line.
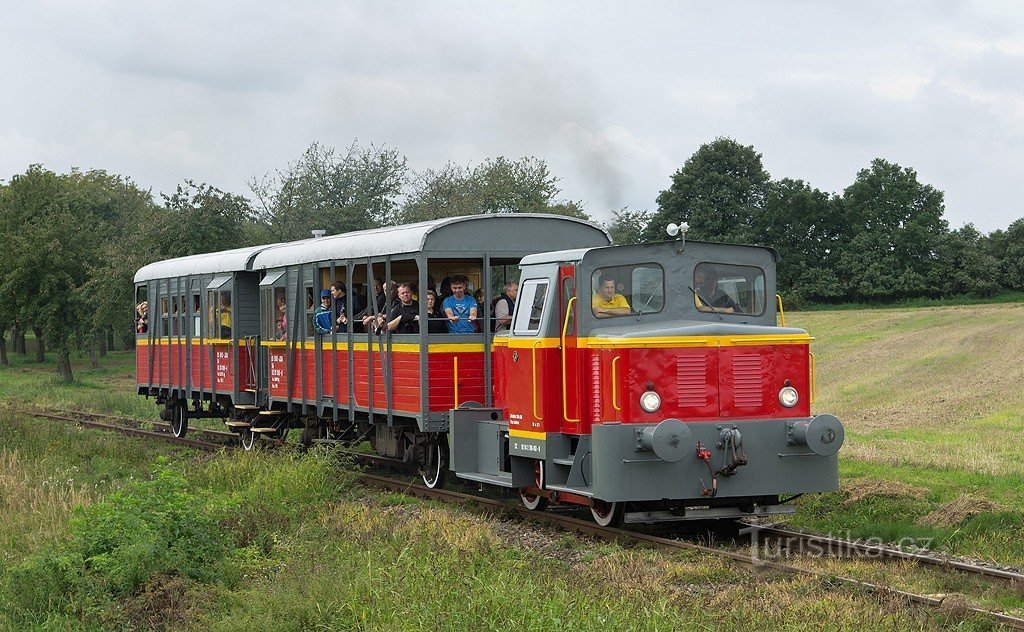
652 381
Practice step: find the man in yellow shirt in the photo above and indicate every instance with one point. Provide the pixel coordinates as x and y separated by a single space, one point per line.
607 302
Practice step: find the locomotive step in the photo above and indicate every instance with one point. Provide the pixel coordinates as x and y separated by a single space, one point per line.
272 412
237 424
263 430
246 407
564 460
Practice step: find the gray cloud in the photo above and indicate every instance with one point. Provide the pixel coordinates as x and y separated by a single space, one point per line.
614 98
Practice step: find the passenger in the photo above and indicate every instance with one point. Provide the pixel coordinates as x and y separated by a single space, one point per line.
607 302
446 288
383 302
404 316
322 314
436 322
503 306
460 308
281 327
225 315
142 317
705 284
338 293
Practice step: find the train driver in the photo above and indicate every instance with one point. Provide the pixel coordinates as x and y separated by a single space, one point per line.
607 302
705 284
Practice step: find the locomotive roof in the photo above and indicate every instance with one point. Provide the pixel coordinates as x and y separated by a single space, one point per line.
210 263
577 254
506 233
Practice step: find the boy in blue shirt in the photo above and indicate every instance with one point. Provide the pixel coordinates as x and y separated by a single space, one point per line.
460 308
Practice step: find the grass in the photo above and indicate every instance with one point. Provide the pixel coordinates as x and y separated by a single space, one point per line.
930 397
271 541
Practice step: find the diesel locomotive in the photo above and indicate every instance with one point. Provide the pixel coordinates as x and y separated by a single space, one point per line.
647 383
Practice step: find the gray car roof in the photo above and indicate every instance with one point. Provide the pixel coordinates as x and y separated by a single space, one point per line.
508 233
210 263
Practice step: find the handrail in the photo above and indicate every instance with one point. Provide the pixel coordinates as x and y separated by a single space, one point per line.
455 378
615 384
782 312
533 360
565 383
814 385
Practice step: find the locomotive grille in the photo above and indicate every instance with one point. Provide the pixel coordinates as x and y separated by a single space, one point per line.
747 381
595 389
692 381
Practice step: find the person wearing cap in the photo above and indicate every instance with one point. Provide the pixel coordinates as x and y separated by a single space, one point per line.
322 314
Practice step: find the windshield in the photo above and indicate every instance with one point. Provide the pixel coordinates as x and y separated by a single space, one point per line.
629 289
728 289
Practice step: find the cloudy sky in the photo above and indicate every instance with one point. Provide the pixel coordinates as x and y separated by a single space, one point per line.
614 96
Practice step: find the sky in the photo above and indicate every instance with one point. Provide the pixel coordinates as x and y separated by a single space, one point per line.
614 96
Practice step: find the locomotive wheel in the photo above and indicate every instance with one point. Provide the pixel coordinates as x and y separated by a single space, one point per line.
435 466
607 514
179 420
249 439
535 502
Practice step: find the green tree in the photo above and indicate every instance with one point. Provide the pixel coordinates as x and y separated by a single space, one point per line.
963 265
720 192
51 228
127 211
335 192
196 218
897 227
497 185
628 227
1006 247
804 225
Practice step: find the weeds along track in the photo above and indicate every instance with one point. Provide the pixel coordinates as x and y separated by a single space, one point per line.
792 542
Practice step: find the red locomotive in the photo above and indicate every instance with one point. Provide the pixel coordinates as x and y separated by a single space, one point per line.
646 382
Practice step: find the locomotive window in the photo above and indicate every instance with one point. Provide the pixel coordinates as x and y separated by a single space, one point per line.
629 289
729 289
530 306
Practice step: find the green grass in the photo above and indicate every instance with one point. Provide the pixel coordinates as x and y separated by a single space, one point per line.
932 398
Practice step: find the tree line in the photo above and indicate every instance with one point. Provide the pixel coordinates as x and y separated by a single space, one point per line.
883 239
70 243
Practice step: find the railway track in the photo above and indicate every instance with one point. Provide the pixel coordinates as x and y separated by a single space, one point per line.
791 539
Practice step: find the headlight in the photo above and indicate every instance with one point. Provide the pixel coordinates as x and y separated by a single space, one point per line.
650 401
788 397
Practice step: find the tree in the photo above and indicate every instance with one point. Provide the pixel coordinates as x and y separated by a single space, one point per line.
1006 247
897 228
49 224
963 265
336 193
720 192
127 211
497 185
806 226
195 219
628 227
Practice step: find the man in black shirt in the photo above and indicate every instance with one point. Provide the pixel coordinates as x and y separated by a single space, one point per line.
404 315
